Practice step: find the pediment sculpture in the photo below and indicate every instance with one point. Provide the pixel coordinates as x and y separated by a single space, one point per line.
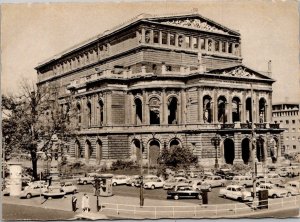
195 23
239 72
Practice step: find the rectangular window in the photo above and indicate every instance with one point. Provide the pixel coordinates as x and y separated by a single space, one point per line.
293 129
230 48
293 121
187 41
202 42
223 46
172 39
287 138
217 46
293 138
294 147
156 36
164 38
195 42
287 122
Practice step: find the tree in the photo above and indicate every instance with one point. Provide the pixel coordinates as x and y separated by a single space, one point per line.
33 118
177 157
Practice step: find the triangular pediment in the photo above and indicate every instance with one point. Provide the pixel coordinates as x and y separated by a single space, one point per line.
194 21
240 71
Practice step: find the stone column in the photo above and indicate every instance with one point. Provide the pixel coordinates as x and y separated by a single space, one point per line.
164 103
151 36
206 44
200 105
93 110
145 108
176 40
183 106
226 47
108 109
256 105
199 43
143 35
215 106
160 38
229 113
168 38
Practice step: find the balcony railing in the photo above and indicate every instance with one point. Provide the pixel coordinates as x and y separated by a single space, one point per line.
227 126
260 125
245 125
274 125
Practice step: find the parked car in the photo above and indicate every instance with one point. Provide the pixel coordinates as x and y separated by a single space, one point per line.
152 184
285 171
184 191
200 185
131 180
86 180
236 192
215 181
54 192
245 181
271 178
171 183
69 187
33 190
119 180
273 191
293 187
146 178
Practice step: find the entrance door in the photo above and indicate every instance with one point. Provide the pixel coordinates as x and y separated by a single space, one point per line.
229 151
154 151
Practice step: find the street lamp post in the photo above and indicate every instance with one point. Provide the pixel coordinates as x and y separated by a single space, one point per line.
141 177
216 142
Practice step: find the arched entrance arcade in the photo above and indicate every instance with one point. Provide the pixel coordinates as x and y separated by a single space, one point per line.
154 151
229 151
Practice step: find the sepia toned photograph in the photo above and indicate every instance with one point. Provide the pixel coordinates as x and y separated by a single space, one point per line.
150 110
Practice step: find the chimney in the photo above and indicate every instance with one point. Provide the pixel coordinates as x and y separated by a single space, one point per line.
270 67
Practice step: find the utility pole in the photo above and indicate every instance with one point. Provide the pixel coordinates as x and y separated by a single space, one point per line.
253 141
141 178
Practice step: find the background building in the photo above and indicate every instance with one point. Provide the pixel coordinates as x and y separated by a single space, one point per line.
287 114
160 81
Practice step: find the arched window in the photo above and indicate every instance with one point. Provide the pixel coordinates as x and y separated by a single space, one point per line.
78 150
174 142
236 109
154 106
138 111
207 109
222 118
249 110
101 112
262 110
173 110
88 149
89 109
154 151
99 151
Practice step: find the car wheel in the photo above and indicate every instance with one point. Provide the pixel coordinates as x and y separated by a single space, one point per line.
132 184
209 189
114 184
274 196
28 196
239 199
84 183
224 196
152 187
176 197
289 194
75 191
199 197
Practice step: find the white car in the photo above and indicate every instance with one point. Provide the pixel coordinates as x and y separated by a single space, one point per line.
171 183
273 190
131 180
271 178
86 180
157 183
236 192
33 190
215 181
119 180
69 188
200 185
293 187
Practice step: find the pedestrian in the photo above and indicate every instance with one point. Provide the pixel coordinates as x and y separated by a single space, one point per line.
74 203
50 181
85 203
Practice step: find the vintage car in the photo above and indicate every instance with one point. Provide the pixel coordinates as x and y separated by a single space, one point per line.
89 179
54 192
132 180
69 187
200 185
171 183
33 190
245 181
215 181
146 178
271 178
152 184
285 171
236 192
184 191
293 187
273 190
119 180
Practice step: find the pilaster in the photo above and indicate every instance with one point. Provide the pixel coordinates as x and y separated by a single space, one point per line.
200 105
183 106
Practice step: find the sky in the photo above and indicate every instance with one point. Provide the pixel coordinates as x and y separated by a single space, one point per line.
32 33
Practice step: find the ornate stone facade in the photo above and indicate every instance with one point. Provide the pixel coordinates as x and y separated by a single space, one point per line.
164 81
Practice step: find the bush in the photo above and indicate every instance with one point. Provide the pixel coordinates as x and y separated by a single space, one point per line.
122 164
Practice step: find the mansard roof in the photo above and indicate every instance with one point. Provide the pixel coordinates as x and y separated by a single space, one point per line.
240 71
185 20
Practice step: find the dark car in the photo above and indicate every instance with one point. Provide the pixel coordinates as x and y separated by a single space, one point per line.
184 192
